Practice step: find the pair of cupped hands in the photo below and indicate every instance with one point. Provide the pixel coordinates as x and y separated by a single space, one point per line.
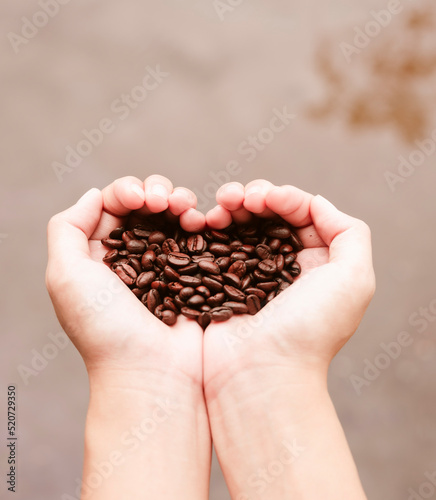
295 336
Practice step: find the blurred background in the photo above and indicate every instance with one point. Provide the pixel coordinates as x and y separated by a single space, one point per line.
95 90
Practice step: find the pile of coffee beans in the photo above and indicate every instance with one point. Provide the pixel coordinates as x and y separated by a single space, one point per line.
209 276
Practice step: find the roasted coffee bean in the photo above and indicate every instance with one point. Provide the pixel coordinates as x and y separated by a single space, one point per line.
216 300
136 264
117 233
251 241
191 268
237 307
190 281
179 259
251 264
220 237
218 278
290 258
220 249
280 262
111 256
250 249
205 308
246 281
203 256
112 243
209 267
283 286
123 253
150 255
139 292
223 263
126 273
141 233
271 295
153 300
179 302
235 245
147 264
287 276
296 243
144 298
260 276
157 237
204 320
155 248
286 248
212 284
161 261
196 301
171 274
232 279
136 246
278 231
267 266
239 268
238 256
186 293
268 286
158 311
190 313
248 231
145 279
295 269
128 235
160 286
263 251
221 313
274 244
234 294
174 288
169 304
195 243
169 317
203 290
170 246
118 263
256 291
253 304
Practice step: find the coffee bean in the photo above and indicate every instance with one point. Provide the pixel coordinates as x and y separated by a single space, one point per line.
196 301
263 251
157 237
161 261
235 245
203 256
282 287
248 231
190 313
280 262
253 304
160 286
128 235
153 300
136 246
274 244
267 266
155 248
112 243
237 307
203 290
205 308
139 292
220 249
239 268
256 291
145 279
296 243
246 281
169 304
270 296
141 233
232 279
290 258
123 253
220 237
191 268
268 286
174 288
234 294
287 276
117 233
136 264
295 269
171 274
249 249
286 248
179 302
221 313
170 246
195 243
278 231
169 317
238 256
251 264
178 259
209 267
204 320
186 293
212 284
223 263
126 273
111 256
190 281
158 311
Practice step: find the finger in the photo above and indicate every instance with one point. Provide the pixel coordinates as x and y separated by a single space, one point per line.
123 196
192 220
349 239
231 196
218 217
180 200
69 231
157 192
255 195
242 216
291 203
310 237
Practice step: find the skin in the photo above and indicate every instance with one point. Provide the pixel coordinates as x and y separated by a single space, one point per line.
259 388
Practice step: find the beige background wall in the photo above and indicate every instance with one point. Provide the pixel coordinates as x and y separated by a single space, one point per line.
225 79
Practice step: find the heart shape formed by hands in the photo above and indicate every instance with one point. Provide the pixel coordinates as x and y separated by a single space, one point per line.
207 276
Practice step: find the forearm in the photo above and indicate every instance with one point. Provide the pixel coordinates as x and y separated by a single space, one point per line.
146 440
283 440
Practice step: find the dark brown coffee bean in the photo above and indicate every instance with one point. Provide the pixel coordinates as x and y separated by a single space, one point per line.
136 264
141 233
218 278
170 246
158 311
223 263
263 252
203 256
221 313
160 286
271 295
144 299
195 243
169 317
260 276
118 263
157 237
190 313
238 256
136 246
191 268
281 231
161 261
253 304
251 241
171 274
203 290
248 231
251 264
178 259
169 304
205 308
174 288
274 244
234 294
128 235
296 243
282 287
153 300
268 286
123 253
267 266
209 267
155 248
139 292
280 262
286 248
237 307
235 245
216 300
290 258
232 279
150 255
112 243
249 249
186 293
126 273
287 276
196 301
256 291
117 233
219 236
246 281
295 269
145 279
190 281
179 302
111 256
204 320
212 284
220 249
239 268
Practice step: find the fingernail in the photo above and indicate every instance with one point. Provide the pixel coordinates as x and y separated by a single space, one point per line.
137 190
87 195
326 202
253 190
159 190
